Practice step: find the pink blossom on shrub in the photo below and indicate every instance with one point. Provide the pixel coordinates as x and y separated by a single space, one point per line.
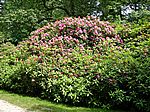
45 35
69 32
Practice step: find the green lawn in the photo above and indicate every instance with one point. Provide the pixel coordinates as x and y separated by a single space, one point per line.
38 105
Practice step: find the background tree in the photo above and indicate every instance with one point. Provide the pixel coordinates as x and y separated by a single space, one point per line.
23 16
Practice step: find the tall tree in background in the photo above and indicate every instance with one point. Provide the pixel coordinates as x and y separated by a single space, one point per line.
23 16
60 8
115 7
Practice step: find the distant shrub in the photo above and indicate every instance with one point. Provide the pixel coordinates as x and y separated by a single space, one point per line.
2 38
18 24
139 16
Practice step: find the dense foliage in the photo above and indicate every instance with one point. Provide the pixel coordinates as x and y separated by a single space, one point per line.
82 62
17 25
19 18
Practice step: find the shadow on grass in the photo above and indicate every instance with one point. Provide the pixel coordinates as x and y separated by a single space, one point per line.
43 108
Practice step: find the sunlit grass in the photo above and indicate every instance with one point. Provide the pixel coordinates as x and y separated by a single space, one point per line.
38 105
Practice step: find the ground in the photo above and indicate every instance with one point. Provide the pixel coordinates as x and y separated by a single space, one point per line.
7 107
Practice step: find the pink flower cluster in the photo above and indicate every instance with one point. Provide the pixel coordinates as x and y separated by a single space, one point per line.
69 32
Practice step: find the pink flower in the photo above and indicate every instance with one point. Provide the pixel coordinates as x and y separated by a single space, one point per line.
119 47
46 27
96 27
90 24
76 41
81 46
82 23
84 31
107 38
51 42
66 37
44 44
103 39
45 35
80 31
62 26
95 32
83 37
36 44
116 36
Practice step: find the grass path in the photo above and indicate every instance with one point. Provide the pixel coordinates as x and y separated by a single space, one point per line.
38 105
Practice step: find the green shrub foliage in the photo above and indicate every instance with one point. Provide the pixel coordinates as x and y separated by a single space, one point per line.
18 24
97 72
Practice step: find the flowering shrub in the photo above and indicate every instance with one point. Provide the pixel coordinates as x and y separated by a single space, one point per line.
81 78
70 32
80 68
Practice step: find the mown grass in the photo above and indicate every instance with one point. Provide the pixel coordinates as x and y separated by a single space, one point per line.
38 105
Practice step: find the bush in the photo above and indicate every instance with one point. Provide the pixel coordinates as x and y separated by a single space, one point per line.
131 72
139 16
117 79
133 34
17 70
2 39
59 70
